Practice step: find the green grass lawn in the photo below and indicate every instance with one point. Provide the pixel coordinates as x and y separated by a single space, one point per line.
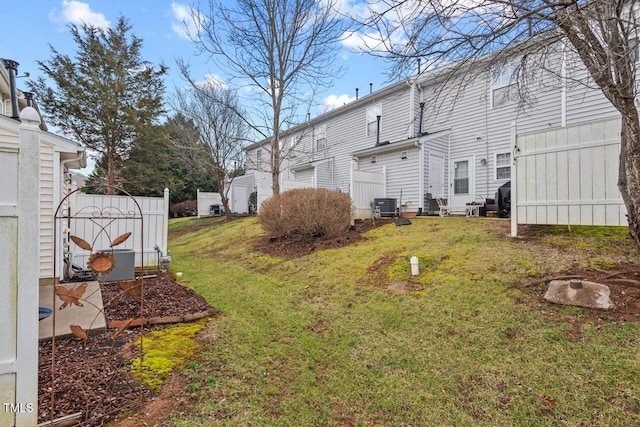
320 341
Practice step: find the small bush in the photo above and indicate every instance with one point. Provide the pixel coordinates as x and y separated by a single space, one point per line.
306 213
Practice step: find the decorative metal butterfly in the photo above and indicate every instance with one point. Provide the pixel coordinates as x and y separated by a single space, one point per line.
131 287
71 296
78 332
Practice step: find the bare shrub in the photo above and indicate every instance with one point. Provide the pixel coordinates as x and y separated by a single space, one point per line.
306 213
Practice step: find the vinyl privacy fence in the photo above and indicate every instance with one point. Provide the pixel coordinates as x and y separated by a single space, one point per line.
568 176
154 224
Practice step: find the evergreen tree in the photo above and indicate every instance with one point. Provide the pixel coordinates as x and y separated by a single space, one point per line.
106 96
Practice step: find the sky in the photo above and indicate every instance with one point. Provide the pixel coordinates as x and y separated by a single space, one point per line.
30 27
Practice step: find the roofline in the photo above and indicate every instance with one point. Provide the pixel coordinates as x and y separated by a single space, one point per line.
366 99
387 148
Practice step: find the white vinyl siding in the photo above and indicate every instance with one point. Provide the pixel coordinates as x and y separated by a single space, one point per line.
403 176
324 175
47 207
260 160
304 175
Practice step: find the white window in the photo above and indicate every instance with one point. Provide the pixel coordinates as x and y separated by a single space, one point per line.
461 177
373 113
504 85
503 166
259 159
321 137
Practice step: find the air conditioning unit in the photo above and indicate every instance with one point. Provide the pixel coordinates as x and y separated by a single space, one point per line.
386 207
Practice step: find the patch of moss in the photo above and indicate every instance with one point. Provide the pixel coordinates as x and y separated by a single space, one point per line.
165 350
604 264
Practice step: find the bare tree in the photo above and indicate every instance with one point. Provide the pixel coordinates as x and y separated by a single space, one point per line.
280 52
473 35
221 131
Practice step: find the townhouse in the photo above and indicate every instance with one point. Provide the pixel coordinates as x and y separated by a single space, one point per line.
444 134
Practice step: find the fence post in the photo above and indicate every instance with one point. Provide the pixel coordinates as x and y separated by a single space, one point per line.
28 268
514 181
165 222
198 202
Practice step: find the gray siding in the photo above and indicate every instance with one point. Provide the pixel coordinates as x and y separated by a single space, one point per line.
474 128
478 129
304 175
403 176
324 175
347 132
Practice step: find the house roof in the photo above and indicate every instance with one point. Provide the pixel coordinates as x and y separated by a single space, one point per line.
387 148
308 165
363 100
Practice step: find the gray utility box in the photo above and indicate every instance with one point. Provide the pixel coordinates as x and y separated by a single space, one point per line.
386 207
125 265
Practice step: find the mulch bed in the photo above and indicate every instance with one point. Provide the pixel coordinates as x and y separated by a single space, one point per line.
291 248
91 379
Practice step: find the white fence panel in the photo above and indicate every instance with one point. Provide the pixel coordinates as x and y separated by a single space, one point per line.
205 200
265 191
8 279
569 176
19 253
125 218
241 189
366 186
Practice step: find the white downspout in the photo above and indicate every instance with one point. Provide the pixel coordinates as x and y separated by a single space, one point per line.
421 193
411 131
448 186
82 153
563 91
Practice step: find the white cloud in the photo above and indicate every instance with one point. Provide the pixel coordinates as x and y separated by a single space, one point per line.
212 81
354 8
79 13
334 101
184 24
393 16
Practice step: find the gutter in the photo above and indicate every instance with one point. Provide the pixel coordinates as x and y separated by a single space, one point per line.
387 148
81 158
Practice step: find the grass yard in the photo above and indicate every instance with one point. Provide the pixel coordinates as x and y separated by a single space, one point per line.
321 341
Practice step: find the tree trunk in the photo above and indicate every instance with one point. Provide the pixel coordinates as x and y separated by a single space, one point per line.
275 167
629 171
111 173
224 198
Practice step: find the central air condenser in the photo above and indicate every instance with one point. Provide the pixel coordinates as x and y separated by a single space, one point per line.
386 207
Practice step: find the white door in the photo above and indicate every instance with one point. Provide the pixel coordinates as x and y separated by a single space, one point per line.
436 176
240 200
462 181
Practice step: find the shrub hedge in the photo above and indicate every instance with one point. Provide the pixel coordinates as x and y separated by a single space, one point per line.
306 213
